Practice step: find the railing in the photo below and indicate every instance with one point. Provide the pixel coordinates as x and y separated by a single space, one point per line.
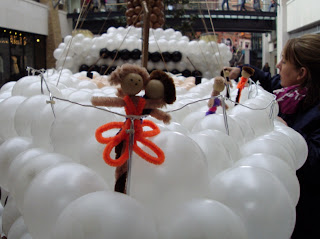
213 5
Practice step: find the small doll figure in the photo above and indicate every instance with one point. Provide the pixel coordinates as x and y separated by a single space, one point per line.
160 87
132 79
245 75
214 102
228 83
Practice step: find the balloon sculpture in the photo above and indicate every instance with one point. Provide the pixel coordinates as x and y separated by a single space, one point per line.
134 14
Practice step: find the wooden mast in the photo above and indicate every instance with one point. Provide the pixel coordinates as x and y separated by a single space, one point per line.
145 34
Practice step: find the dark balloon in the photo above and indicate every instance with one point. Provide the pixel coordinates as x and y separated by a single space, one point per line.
186 73
175 71
176 56
155 57
83 68
196 73
90 75
103 69
104 53
135 54
124 54
111 69
114 54
94 68
166 56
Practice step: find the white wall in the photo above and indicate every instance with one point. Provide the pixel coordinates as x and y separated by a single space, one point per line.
301 13
65 24
24 15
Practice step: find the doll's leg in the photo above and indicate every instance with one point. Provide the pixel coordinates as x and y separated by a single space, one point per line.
121 171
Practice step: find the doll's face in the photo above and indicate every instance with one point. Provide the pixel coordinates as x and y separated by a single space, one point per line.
132 84
245 74
155 89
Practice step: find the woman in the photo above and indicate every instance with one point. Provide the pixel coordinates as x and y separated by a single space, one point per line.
266 67
300 77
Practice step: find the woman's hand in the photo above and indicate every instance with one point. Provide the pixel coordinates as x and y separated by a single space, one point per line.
281 120
234 72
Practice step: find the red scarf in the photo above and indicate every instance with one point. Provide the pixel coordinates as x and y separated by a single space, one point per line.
289 97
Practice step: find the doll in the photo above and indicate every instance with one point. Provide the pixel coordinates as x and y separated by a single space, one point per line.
161 86
245 74
214 102
228 83
132 80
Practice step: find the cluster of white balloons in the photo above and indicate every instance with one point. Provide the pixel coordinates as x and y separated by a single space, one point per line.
240 185
78 50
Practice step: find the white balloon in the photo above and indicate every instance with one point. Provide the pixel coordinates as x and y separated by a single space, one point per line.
74 127
268 146
7 86
23 83
18 162
217 122
65 182
18 229
185 167
8 109
192 118
227 141
259 198
279 169
101 213
26 236
26 112
29 168
202 218
216 155
40 126
9 215
8 151
259 120
301 147
90 155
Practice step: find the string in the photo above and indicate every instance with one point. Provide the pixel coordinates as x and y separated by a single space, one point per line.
41 72
129 29
69 43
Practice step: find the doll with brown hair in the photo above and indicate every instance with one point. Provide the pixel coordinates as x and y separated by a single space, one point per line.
245 75
228 83
160 87
132 79
214 101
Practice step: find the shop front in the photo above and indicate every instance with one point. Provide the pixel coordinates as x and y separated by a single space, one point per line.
19 50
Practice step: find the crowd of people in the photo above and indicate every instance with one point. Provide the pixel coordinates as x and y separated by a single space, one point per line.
256 5
99 5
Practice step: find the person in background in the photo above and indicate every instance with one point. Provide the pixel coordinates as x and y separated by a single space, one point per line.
223 3
266 67
95 6
242 6
256 5
297 89
273 5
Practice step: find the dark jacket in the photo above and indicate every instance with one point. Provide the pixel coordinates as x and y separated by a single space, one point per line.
307 123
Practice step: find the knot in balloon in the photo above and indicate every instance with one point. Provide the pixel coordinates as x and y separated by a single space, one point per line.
130 126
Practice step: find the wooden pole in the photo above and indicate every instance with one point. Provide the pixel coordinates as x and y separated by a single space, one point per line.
145 34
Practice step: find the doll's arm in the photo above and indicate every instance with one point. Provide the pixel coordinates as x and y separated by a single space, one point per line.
210 102
154 103
161 115
108 101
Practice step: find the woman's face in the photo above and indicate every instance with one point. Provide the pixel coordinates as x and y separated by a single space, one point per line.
289 74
